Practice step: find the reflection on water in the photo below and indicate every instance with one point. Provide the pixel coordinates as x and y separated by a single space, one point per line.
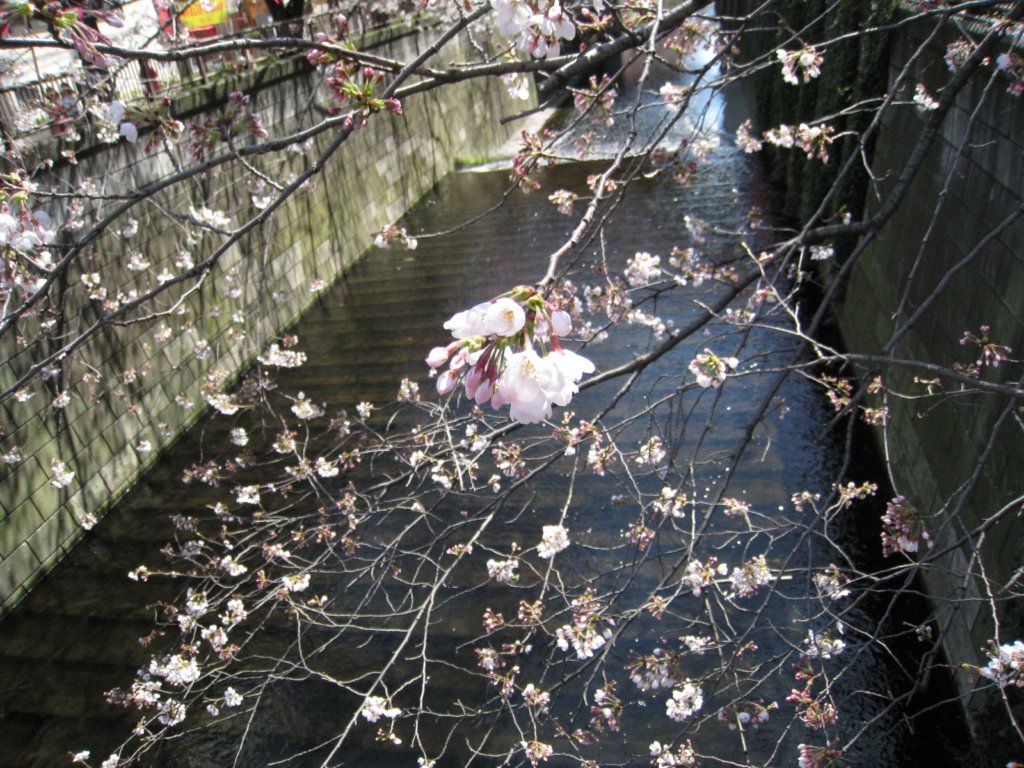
77 635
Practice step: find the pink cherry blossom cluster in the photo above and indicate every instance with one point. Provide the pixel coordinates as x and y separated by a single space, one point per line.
24 233
807 61
820 757
664 757
354 87
710 369
924 100
537 751
534 152
390 234
746 714
693 36
70 25
659 669
902 528
589 630
376 707
745 140
554 539
814 140
823 645
563 200
155 116
754 573
819 714
606 710
831 583
495 356
536 25
597 100
816 712
699 575
237 123
116 113
687 698
958 52
1012 64
1006 665
989 353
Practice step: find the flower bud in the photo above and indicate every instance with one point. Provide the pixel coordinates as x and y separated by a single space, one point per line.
561 323
438 356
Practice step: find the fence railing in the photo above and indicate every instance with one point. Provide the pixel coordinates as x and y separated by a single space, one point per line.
50 107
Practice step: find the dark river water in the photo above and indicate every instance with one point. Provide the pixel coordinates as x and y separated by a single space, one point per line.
77 635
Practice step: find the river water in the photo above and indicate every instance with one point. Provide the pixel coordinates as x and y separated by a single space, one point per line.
77 635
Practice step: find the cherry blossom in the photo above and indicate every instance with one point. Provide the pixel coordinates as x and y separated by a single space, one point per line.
503 571
816 712
536 698
126 128
903 528
392 234
686 699
651 453
659 669
1012 64
957 53
744 140
589 630
670 503
1006 664
282 358
807 61
746 714
376 707
554 540
495 356
753 574
831 583
232 698
823 645
819 757
989 353
597 100
62 476
563 201
710 369
664 757
295 582
175 670
537 751
923 100
643 269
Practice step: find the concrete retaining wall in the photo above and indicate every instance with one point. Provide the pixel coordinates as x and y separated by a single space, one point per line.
958 459
146 380
970 183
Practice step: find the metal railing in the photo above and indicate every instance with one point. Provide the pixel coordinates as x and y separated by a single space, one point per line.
52 107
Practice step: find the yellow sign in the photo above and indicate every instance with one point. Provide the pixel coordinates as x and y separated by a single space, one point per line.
204 13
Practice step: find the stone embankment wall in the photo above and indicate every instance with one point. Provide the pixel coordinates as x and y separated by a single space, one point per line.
954 249
150 379
950 252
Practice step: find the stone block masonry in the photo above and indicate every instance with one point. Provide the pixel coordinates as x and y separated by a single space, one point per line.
947 251
146 382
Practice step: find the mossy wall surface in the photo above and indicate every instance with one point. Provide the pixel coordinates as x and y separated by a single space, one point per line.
147 380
